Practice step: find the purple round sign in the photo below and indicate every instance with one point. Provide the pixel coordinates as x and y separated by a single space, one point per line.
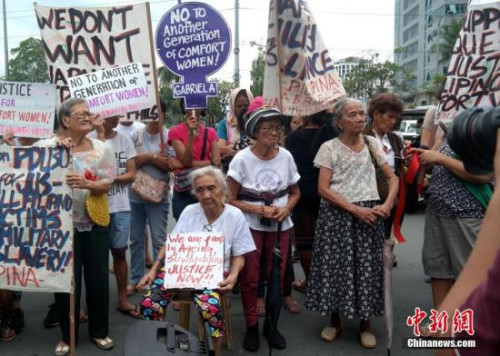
193 40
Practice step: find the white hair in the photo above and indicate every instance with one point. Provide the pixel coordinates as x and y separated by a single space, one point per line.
213 172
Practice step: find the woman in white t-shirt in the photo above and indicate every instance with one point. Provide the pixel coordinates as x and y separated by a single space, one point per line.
263 182
346 273
211 214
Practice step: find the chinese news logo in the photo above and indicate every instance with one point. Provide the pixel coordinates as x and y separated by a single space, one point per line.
439 323
461 321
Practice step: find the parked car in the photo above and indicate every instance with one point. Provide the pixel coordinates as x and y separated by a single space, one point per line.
409 126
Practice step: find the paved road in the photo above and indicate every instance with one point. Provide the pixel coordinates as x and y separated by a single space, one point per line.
301 331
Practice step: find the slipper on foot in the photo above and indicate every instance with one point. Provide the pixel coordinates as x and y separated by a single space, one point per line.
61 349
104 344
292 306
7 334
131 289
131 312
330 333
300 285
368 340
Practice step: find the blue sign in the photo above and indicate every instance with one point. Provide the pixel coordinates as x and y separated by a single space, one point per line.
193 40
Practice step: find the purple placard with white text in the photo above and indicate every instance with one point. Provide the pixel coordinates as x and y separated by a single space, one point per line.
193 40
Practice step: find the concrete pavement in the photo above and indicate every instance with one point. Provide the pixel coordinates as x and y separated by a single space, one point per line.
301 331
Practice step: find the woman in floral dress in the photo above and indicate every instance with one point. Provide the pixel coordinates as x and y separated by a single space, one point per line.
346 272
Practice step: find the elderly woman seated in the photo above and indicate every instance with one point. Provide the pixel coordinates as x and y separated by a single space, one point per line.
211 214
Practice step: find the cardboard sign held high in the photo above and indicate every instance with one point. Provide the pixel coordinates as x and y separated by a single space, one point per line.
299 78
473 77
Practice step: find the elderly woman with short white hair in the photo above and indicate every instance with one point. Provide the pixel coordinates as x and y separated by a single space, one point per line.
263 182
210 214
346 272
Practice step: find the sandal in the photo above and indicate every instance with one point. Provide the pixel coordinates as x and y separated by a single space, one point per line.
83 316
330 333
61 349
300 285
131 289
7 334
104 344
133 312
292 306
368 340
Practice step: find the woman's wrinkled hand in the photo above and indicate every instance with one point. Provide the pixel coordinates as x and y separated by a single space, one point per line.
64 141
76 181
427 157
366 215
98 123
8 138
146 281
383 211
228 284
269 211
280 213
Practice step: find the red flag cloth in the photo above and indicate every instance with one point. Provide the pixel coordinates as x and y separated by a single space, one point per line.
408 178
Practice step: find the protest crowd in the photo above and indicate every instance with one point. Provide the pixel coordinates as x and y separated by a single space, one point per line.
327 187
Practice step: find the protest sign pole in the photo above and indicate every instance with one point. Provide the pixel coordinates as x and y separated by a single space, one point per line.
155 78
72 329
279 52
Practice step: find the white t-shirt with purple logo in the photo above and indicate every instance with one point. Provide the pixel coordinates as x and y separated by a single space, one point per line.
257 175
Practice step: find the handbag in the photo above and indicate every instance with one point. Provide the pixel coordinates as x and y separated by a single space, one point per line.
144 186
382 185
148 188
97 205
182 181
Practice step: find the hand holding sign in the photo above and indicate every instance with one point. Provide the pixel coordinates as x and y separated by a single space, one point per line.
193 41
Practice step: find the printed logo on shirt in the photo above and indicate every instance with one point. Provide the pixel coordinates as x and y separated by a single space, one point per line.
121 161
268 179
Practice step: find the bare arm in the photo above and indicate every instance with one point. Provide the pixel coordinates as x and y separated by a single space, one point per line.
234 188
456 166
184 153
129 174
79 181
224 148
366 215
237 263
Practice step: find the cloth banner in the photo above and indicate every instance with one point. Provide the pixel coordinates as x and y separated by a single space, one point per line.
79 41
194 260
473 77
36 219
300 78
27 109
113 91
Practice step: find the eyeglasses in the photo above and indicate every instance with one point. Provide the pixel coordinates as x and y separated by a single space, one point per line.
82 115
277 128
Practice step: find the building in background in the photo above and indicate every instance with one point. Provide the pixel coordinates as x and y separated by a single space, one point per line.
417 33
345 65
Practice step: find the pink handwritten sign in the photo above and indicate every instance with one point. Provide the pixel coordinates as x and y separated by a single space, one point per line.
194 260
27 109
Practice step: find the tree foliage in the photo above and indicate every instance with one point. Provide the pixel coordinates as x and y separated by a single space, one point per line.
257 73
217 106
368 79
29 63
449 34
166 79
